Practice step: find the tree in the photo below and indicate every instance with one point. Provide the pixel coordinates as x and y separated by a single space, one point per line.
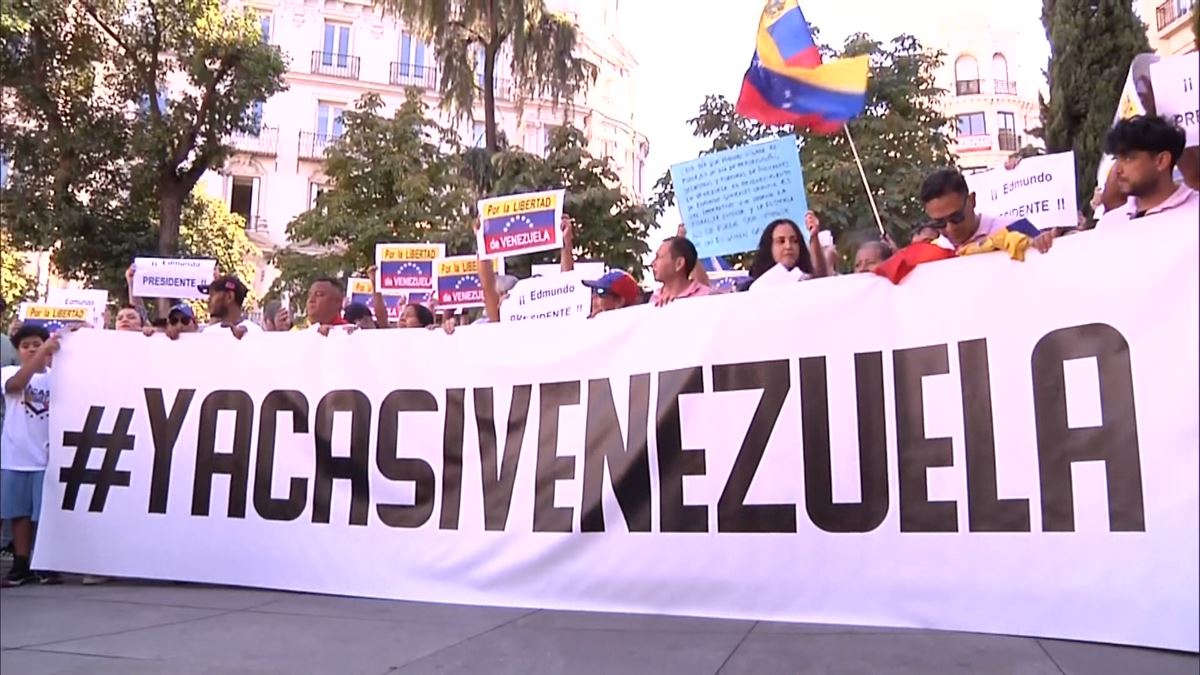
471 36
210 230
392 182
16 285
1092 43
901 138
104 158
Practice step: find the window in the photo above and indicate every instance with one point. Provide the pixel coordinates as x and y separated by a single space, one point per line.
966 75
244 198
3 170
254 117
479 58
1000 67
329 120
315 190
1009 141
144 106
1008 122
412 56
478 135
264 21
336 49
972 124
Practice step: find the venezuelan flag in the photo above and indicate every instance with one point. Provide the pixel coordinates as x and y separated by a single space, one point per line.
788 84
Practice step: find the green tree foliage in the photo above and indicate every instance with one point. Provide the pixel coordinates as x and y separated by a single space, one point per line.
104 157
901 138
1092 43
391 182
210 230
16 285
472 37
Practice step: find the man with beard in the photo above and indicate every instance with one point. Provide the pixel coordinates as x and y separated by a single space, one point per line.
225 298
1147 149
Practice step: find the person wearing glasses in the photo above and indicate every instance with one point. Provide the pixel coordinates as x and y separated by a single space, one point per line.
950 204
181 319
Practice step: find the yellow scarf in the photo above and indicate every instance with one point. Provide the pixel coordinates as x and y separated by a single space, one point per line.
1013 243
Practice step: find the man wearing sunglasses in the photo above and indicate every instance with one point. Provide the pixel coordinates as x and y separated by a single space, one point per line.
181 319
950 204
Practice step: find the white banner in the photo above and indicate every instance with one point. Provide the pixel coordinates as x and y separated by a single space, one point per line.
1024 464
94 298
586 270
171 277
1040 189
1176 82
561 296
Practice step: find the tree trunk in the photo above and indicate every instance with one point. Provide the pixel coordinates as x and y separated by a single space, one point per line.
489 79
170 213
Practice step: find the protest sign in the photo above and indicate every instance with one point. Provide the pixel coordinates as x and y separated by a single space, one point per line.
592 465
171 277
405 267
362 291
727 198
519 224
560 296
1176 97
726 281
1040 189
95 298
586 270
458 284
420 298
53 317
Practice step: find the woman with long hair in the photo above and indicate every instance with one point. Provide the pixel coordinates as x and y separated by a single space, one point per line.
782 243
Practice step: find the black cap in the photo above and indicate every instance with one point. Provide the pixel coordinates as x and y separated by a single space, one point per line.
229 283
357 311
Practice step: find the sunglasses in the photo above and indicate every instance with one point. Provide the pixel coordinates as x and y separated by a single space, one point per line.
955 218
184 320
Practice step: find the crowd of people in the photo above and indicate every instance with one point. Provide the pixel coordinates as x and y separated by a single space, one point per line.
1143 182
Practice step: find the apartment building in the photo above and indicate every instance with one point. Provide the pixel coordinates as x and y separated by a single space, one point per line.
339 50
1169 25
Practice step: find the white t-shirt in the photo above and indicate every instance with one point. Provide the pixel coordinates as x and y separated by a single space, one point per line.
249 325
25 445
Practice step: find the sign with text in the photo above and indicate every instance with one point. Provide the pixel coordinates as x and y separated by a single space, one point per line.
1040 189
458 284
1176 81
171 277
401 268
362 291
53 317
519 224
727 198
95 298
1031 477
561 296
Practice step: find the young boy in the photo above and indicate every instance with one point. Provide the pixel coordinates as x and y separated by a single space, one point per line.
25 446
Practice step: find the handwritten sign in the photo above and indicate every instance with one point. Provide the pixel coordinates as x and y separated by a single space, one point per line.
401 268
53 317
95 298
1041 189
457 281
519 224
1176 96
726 282
171 277
727 198
562 296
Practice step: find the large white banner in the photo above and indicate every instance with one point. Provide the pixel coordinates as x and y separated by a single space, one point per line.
967 450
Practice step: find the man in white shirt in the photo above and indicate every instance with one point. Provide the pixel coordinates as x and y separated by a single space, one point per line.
225 298
950 204
1146 150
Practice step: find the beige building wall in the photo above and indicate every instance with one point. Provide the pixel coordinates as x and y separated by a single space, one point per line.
1169 25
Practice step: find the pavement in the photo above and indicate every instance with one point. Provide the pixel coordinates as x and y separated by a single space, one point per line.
135 627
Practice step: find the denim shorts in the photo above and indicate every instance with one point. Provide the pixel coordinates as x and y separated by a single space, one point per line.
20 494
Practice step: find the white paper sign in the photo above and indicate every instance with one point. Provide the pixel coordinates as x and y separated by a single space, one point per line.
777 276
586 270
1176 94
95 298
1040 189
560 296
171 277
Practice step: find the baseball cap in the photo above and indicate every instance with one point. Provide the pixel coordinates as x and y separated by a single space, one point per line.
505 283
227 283
619 284
357 311
183 309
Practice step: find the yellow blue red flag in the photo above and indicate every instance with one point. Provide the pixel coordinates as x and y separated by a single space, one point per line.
788 84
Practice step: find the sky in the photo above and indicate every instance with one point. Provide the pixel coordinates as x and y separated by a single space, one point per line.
689 48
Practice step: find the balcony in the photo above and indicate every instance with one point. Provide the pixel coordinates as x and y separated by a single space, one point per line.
410 75
265 142
335 65
968 87
974 143
1005 87
314 145
1169 12
256 224
1008 140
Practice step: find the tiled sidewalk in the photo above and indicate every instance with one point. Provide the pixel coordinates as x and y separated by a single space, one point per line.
130 628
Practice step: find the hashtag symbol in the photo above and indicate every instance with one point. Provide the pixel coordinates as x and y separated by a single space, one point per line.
107 475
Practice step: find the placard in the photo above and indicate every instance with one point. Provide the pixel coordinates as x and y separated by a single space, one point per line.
727 281
401 268
96 298
458 284
726 199
518 224
561 296
172 277
1176 94
1040 189
53 317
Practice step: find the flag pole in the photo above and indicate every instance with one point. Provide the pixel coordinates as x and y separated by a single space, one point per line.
863 173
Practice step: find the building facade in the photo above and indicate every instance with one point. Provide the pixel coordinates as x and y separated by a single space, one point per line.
338 50
1169 25
987 95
